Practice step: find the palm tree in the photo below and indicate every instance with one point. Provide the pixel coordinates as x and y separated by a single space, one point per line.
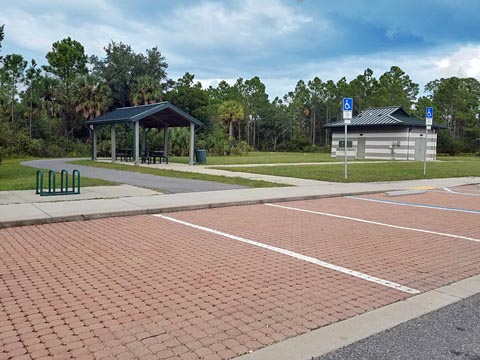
231 111
94 97
145 90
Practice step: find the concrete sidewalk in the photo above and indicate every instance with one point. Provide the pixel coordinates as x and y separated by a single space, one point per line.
25 208
207 170
164 184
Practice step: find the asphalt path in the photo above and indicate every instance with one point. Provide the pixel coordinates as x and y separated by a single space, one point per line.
450 333
160 183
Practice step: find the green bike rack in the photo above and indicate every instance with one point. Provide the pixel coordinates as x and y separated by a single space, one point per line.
39 182
52 183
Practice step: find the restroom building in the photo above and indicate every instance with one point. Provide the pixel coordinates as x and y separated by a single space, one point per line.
387 133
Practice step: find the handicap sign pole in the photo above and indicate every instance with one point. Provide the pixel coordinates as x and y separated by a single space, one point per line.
345 161
347 119
425 156
428 126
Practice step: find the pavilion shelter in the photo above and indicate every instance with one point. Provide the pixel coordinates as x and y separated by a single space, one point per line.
161 116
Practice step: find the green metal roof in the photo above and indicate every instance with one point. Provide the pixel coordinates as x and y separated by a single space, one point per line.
383 116
151 115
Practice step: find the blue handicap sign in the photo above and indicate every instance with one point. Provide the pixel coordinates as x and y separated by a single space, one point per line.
347 104
429 113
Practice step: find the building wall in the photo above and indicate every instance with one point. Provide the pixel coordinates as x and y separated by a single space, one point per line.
386 143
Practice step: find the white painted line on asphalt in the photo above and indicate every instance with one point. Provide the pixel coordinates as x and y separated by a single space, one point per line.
298 256
413 205
376 223
460 193
451 192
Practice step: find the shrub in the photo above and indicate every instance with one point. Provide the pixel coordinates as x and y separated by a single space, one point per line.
178 141
445 143
104 148
53 150
36 147
297 143
238 147
215 141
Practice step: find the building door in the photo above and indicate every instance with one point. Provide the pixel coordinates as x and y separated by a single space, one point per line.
361 148
419 149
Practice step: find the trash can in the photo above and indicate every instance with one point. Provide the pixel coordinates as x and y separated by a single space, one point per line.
201 156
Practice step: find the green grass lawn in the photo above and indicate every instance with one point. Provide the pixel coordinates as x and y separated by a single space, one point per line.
261 157
458 158
379 171
14 176
179 174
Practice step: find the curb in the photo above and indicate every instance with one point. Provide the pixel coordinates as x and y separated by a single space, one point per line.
168 209
343 333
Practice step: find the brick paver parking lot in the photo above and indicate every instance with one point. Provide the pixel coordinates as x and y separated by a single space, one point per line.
419 260
471 188
146 287
142 287
441 197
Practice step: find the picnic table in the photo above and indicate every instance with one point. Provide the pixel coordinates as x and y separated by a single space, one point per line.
125 154
147 157
150 157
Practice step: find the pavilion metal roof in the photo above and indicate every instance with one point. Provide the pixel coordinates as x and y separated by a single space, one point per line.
383 116
151 115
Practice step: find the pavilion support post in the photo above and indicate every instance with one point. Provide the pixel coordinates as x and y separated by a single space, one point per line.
94 143
144 140
165 140
114 143
192 143
136 142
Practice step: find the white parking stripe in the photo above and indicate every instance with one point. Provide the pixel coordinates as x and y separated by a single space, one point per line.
298 256
460 193
376 223
414 205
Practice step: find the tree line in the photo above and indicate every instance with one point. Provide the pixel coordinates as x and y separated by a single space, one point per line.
43 109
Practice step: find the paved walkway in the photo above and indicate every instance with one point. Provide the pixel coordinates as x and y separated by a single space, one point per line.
204 169
87 193
296 164
37 210
161 183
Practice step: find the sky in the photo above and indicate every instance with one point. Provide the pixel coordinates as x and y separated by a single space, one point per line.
281 41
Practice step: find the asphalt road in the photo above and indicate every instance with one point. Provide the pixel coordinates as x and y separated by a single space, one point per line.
450 333
160 183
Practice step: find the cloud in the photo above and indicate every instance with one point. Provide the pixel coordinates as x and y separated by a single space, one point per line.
250 24
207 32
206 83
464 62
433 21
281 41
38 31
459 60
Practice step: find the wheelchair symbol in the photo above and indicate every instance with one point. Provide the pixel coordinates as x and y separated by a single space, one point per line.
429 113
